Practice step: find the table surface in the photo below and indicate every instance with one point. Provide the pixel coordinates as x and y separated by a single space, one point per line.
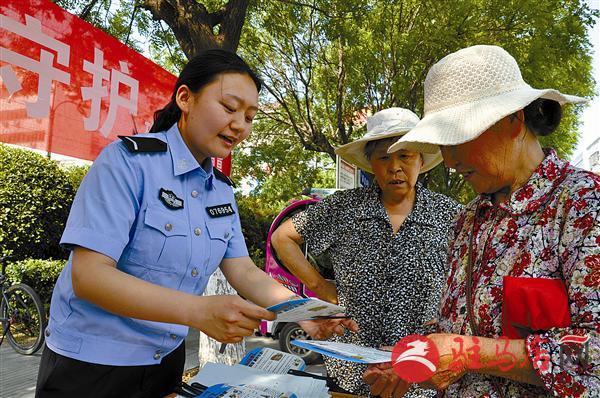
333 395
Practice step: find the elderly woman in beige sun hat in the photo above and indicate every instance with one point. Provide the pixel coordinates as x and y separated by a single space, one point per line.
520 314
387 243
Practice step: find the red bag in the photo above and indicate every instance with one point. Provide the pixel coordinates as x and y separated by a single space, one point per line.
531 305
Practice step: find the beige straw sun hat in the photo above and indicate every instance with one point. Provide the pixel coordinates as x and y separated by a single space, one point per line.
467 92
391 122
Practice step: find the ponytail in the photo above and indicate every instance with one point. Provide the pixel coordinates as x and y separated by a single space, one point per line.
166 117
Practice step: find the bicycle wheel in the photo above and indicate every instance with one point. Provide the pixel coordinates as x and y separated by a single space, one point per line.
26 318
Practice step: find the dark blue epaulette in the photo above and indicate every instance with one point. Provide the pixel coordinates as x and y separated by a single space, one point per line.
143 144
220 176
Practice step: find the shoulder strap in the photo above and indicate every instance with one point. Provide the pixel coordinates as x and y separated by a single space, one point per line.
143 144
220 176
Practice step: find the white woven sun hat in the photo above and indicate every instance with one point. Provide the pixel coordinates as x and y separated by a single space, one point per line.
391 122
467 92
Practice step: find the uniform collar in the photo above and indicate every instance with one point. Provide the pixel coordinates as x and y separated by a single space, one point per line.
183 160
527 199
375 208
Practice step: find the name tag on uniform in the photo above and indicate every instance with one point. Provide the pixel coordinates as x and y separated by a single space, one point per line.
169 199
220 210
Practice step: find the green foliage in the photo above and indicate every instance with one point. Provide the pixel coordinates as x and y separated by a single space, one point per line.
75 175
256 220
329 63
41 275
35 198
280 167
128 22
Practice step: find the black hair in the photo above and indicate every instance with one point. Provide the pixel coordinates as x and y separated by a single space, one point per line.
201 70
371 145
542 116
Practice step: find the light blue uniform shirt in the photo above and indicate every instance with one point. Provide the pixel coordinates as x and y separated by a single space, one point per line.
118 212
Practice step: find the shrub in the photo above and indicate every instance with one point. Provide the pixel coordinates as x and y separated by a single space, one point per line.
35 198
41 275
75 175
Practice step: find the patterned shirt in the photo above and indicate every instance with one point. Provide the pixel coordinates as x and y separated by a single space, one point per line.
389 282
549 228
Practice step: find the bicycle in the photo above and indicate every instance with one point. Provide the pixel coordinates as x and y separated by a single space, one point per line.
22 315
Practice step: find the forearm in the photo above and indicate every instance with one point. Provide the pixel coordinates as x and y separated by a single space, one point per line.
252 283
508 359
95 279
290 254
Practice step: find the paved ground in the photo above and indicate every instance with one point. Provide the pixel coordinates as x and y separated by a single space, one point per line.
18 373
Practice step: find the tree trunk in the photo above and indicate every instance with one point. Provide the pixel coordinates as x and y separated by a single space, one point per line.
209 348
193 26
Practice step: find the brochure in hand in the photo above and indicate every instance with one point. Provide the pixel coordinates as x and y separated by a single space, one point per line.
346 352
305 309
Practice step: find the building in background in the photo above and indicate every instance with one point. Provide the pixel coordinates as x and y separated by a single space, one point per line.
589 157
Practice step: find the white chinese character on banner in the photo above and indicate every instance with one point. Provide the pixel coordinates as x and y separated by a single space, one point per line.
32 30
97 91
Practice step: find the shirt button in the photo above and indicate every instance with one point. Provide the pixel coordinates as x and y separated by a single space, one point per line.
173 336
194 194
226 235
194 272
168 226
157 355
47 333
197 231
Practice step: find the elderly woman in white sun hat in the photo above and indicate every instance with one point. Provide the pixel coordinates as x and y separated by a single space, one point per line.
387 243
525 255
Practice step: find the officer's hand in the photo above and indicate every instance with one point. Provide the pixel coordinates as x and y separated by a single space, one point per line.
229 318
325 328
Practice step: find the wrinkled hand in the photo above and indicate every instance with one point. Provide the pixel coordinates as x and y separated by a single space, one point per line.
325 328
445 375
383 381
228 319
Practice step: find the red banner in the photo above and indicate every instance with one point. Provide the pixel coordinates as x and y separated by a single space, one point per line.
70 88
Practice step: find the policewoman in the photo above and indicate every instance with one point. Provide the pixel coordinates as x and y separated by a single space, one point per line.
150 223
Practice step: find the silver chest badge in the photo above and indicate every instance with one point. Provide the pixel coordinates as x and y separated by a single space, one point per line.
169 199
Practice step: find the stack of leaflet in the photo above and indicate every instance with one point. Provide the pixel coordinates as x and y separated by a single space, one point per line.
262 373
274 385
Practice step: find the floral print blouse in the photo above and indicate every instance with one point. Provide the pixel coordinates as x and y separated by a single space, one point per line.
549 228
390 283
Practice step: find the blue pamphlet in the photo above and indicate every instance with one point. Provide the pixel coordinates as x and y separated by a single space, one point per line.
272 361
242 391
305 309
346 352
